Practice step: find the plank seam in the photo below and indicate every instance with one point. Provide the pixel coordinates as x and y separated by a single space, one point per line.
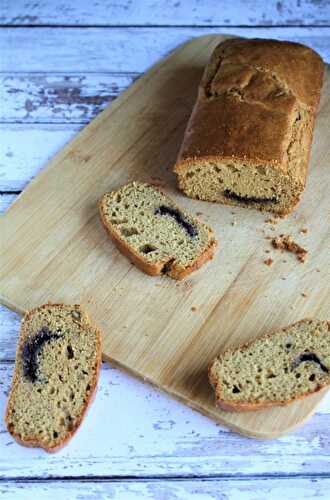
14 191
142 26
157 478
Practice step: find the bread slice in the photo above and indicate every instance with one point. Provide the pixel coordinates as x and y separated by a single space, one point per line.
154 233
249 137
275 369
57 367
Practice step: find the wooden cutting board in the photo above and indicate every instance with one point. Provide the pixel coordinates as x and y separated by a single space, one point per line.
53 247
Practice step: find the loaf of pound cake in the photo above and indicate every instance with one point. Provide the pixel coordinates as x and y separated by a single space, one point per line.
154 233
57 367
275 369
249 137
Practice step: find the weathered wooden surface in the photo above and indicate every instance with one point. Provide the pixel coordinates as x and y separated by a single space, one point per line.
116 50
133 430
163 437
25 149
57 98
164 12
207 489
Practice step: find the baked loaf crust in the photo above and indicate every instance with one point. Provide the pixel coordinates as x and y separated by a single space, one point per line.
249 137
154 233
275 369
56 372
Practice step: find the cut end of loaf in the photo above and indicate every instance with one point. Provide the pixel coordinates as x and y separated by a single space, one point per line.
154 233
56 371
275 369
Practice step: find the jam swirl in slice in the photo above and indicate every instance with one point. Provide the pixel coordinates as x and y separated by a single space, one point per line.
179 218
248 199
31 349
309 356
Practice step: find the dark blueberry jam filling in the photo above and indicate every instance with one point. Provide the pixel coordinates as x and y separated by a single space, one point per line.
309 356
31 349
179 218
248 199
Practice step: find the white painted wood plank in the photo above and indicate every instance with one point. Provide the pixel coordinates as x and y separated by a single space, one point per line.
24 150
9 327
58 98
164 12
5 202
120 50
134 430
201 489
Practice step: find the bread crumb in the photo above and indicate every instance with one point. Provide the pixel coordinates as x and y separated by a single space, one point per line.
318 270
303 294
268 237
194 308
285 242
272 220
303 230
268 262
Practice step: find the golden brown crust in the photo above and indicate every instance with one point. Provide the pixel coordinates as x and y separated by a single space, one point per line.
284 60
247 109
35 443
173 269
238 406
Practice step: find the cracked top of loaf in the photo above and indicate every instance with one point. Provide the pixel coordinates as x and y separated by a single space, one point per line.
256 98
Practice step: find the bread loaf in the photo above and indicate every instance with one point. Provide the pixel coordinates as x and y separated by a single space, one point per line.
154 233
275 369
249 137
57 366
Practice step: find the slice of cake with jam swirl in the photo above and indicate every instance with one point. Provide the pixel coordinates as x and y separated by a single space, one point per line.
154 233
275 369
57 367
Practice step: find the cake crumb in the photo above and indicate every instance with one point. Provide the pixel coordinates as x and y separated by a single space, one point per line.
303 294
303 230
285 242
318 270
199 213
194 308
272 220
268 262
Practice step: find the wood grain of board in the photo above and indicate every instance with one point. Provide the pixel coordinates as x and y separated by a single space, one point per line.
54 248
